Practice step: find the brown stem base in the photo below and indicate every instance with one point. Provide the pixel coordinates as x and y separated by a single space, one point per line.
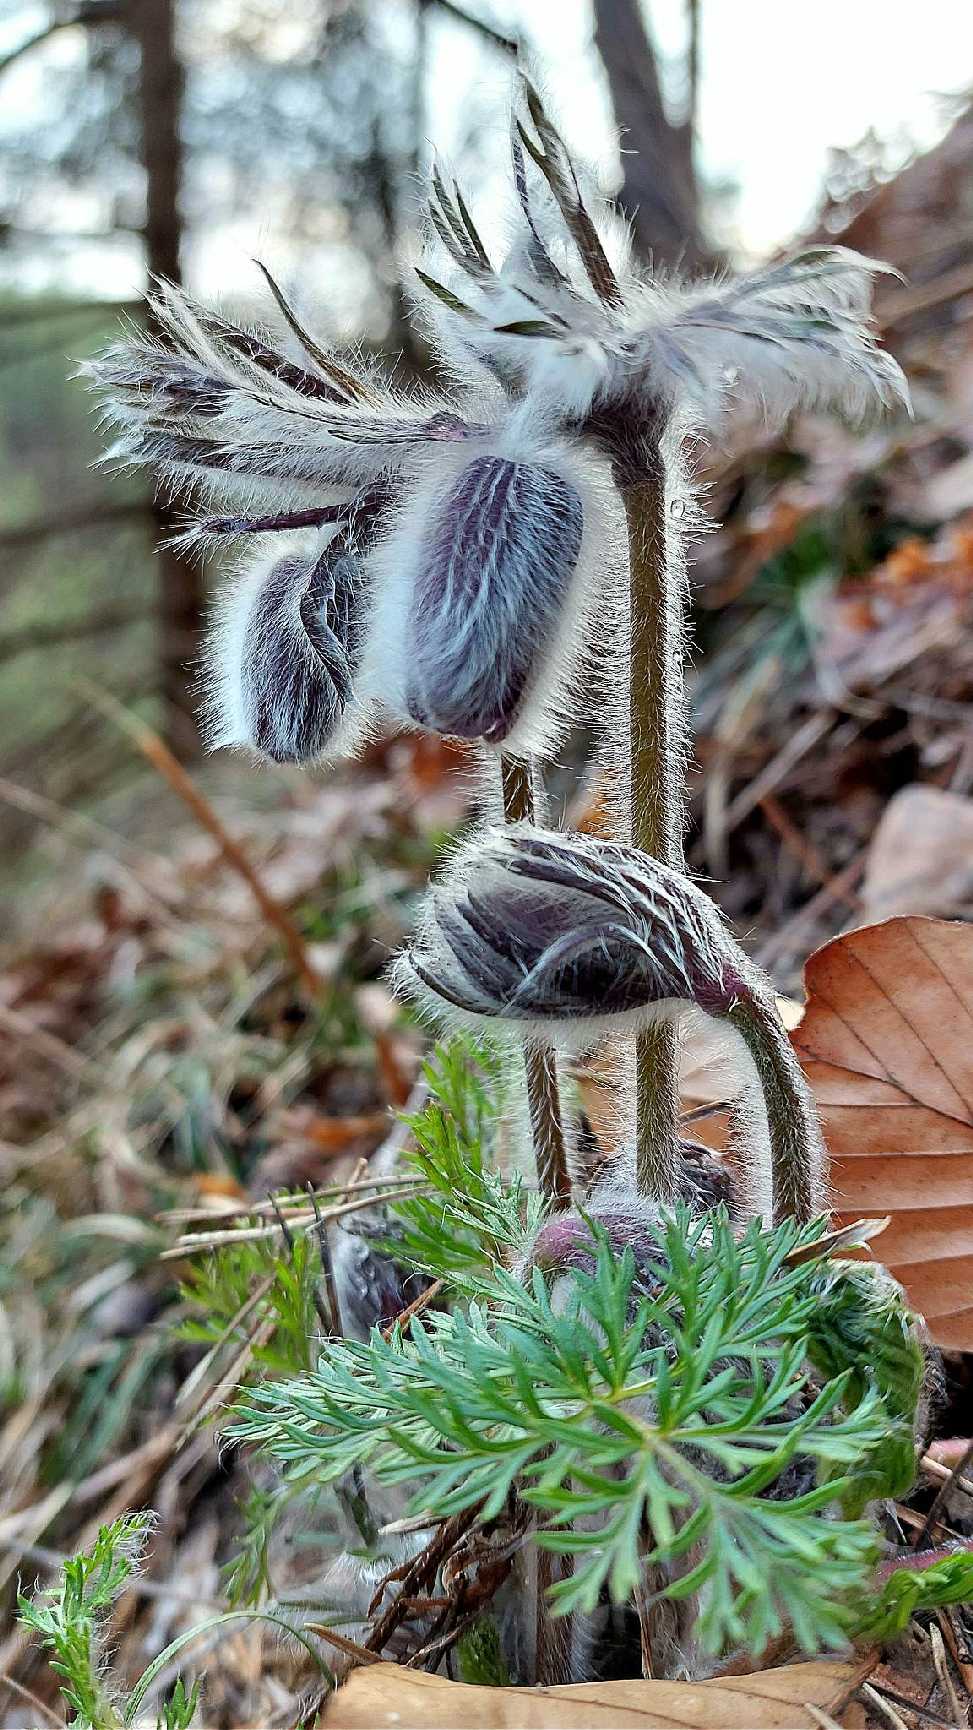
540 1064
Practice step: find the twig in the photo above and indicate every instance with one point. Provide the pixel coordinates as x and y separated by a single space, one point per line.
959 1656
423 1567
943 1475
420 1303
436 1648
264 1209
823 1718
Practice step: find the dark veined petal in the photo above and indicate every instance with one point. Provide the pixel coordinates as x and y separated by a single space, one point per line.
301 649
492 578
534 925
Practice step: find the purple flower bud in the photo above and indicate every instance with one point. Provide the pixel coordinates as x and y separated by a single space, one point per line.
569 1239
532 925
492 579
286 654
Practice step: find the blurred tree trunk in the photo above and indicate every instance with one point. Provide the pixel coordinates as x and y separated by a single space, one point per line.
659 193
180 593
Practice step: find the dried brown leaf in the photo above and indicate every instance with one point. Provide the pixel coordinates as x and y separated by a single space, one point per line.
386 1694
886 1041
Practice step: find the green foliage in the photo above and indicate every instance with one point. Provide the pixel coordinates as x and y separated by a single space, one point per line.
246 1578
921 1585
862 1325
479 1655
645 1429
71 1618
469 1219
178 1712
221 1293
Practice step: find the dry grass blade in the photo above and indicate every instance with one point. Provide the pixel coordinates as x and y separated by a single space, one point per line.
884 1707
960 1718
47 1044
199 1372
945 1474
861 1231
156 751
287 1205
210 1240
351 1648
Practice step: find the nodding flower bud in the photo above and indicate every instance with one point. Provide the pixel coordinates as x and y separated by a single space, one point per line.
491 580
535 926
285 651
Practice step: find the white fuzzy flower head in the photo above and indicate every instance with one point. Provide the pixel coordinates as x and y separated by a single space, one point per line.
593 336
451 553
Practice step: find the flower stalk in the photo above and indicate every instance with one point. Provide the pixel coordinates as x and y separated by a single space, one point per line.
794 1134
540 1063
655 727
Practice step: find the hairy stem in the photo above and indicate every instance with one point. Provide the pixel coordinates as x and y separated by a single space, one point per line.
656 744
540 1066
796 1146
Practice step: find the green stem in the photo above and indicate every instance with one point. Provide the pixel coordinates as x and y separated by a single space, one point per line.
796 1147
656 730
540 1064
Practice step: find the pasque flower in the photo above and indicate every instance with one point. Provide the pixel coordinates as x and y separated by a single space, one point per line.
451 555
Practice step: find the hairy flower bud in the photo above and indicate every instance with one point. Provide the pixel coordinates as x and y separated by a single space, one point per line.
492 577
535 926
285 652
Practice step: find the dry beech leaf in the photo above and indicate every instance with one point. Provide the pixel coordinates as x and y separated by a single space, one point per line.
387 1694
886 1041
921 855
